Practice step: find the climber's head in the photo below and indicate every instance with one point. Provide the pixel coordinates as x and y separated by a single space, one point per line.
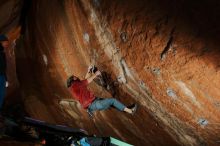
4 41
71 80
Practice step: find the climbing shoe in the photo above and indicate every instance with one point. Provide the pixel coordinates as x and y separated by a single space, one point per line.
133 108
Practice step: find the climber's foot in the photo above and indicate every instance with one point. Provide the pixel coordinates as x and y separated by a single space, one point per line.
133 108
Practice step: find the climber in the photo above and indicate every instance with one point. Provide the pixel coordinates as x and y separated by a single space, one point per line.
4 44
79 90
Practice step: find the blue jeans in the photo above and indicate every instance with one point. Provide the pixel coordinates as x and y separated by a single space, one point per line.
105 103
2 90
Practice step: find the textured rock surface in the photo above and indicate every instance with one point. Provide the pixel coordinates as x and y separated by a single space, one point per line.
162 54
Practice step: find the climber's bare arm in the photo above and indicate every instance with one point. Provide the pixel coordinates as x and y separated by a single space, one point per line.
88 74
93 76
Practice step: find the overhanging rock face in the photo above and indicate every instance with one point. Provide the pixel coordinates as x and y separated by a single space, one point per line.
164 55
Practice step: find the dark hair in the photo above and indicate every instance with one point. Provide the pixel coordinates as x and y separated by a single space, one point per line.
69 81
3 38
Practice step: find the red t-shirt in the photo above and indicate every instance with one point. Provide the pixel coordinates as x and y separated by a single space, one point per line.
81 93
